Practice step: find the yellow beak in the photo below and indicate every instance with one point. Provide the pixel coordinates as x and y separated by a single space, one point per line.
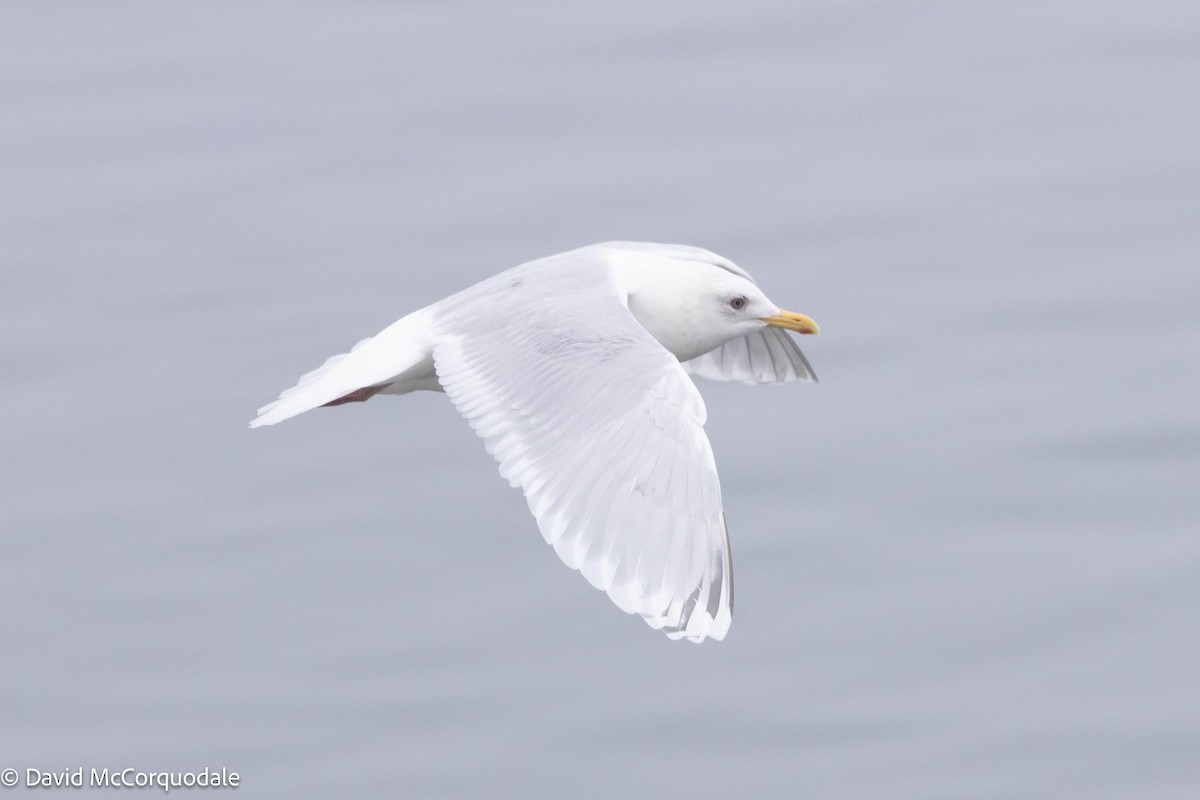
792 321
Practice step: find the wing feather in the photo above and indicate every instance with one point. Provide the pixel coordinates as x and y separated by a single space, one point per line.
602 430
766 356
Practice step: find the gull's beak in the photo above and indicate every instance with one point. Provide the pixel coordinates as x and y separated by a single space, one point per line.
792 321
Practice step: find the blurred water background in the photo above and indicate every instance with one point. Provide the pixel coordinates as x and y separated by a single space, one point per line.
968 562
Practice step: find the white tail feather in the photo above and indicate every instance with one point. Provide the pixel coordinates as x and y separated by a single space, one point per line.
398 354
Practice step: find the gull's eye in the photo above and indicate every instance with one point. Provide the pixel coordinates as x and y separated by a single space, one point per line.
737 303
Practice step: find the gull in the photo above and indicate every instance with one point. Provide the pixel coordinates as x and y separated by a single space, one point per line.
574 370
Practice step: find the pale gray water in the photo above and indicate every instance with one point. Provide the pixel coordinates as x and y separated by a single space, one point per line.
968 562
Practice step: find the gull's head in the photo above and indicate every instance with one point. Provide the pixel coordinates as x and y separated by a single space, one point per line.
693 301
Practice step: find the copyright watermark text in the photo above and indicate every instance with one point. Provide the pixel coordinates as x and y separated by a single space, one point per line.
127 778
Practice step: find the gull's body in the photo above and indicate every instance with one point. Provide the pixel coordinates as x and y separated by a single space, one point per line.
574 371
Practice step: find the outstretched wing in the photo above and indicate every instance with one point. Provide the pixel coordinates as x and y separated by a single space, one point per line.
602 430
766 356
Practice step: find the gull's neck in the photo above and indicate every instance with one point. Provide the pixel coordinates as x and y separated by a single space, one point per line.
672 301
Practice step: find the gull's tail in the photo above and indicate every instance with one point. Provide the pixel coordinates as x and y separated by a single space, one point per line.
397 360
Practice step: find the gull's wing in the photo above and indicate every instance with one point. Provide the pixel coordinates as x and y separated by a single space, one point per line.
766 356
602 430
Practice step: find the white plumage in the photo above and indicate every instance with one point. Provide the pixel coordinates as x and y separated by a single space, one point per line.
573 369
